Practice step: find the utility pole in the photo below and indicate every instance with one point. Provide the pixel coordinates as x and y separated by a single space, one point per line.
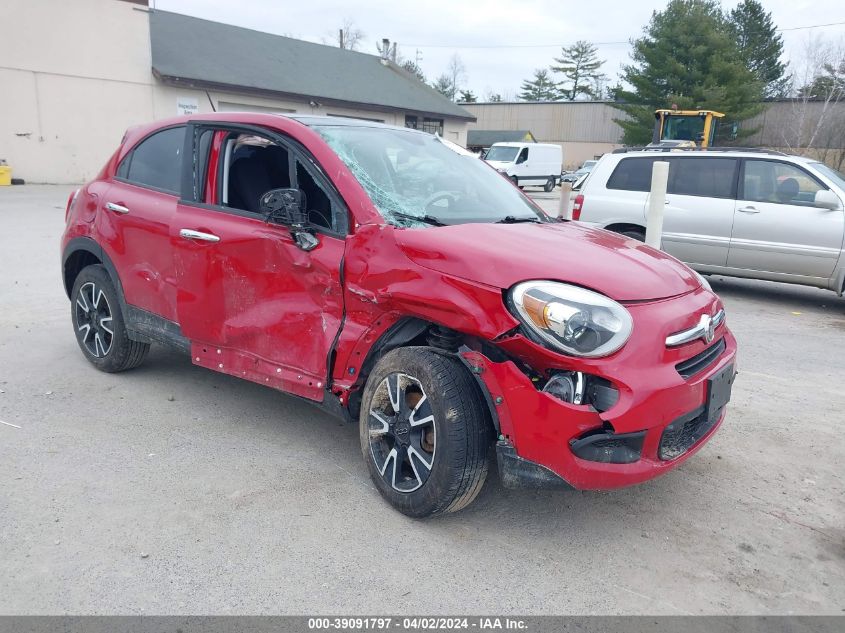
340 37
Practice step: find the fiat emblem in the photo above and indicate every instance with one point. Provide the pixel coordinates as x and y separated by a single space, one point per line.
708 328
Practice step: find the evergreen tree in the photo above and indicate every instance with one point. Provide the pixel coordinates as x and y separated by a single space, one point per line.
412 67
581 68
686 56
827 85
540 88
443 84
467 96
760 46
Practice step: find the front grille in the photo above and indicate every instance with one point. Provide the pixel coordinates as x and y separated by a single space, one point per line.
700 361
679 436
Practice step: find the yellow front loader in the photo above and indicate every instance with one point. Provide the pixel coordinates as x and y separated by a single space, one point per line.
685 128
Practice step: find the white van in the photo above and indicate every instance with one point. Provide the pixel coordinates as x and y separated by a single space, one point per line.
526 164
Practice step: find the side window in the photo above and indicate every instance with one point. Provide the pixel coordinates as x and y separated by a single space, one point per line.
632 174
523 156
778 182
202 169
252 166
321 211
707 177
157 161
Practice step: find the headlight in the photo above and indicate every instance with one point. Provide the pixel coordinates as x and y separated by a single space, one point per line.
703 281
572 319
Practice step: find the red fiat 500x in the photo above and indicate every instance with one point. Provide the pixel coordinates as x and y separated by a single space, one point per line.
397 281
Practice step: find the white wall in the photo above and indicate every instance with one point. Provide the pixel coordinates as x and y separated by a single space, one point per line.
76 74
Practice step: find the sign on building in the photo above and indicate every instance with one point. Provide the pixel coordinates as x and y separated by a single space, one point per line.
187 105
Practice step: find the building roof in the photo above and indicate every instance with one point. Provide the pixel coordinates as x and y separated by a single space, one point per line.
485 138
189 51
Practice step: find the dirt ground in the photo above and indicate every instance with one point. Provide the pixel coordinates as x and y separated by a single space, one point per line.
173 489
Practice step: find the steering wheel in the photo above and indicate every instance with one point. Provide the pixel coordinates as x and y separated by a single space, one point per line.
439 195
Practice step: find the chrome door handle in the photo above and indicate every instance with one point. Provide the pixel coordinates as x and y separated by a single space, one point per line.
190 234
117 208
748 210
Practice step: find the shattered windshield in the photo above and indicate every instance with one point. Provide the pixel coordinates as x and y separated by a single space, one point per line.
502 153
415 180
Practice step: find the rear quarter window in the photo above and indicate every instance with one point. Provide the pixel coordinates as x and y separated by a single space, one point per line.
156 162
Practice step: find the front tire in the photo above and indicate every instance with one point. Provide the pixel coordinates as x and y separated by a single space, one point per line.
98 323
424 432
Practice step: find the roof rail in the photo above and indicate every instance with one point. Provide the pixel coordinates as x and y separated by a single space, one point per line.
645 148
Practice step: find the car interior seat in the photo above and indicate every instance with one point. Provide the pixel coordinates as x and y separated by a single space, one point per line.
767 190
788 190
248 179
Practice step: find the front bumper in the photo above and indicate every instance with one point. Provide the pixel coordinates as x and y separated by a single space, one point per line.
540 429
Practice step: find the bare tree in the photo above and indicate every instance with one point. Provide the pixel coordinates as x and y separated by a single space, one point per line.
449 83
349 36
457 73
817 123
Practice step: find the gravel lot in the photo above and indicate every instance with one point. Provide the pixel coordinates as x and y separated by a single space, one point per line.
172 489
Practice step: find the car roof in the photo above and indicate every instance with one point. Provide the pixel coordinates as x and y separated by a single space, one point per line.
720 153
313 120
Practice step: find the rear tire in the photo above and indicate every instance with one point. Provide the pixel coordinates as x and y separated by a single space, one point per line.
424 432
98 323
550 185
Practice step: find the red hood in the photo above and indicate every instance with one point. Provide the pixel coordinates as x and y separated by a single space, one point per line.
504 254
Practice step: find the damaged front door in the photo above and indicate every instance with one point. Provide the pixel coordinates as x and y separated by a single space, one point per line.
252 302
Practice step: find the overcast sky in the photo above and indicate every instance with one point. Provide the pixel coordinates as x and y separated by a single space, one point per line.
500 42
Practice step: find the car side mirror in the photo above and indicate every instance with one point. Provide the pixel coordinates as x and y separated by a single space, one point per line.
289 208
284 206
826 199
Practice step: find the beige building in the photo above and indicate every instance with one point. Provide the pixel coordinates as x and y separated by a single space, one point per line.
76 75
584 129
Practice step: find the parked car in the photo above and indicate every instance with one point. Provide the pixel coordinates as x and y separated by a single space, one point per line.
578 174
394 282
527 164
758 214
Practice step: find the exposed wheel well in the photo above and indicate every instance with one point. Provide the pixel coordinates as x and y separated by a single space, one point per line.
414 332
74 264
621 227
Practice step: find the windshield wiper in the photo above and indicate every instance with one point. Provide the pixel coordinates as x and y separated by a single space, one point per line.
512 219
428 219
